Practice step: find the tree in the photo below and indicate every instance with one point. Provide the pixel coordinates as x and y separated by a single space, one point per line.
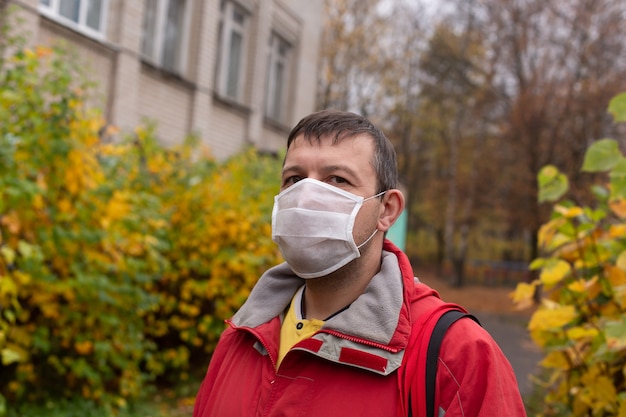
477 97
558 62
354 56
456 89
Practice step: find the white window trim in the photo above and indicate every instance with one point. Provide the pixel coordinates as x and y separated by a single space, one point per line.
270 94
157 54
224 60
52 12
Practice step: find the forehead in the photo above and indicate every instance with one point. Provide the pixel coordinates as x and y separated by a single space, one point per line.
357 151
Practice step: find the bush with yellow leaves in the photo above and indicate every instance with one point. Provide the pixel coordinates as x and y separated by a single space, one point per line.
118 262
581 321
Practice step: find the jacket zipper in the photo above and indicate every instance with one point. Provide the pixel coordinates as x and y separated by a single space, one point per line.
360 341
258 338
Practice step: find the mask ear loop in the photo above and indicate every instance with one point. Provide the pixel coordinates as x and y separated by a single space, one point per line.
367 240
376 230
374 196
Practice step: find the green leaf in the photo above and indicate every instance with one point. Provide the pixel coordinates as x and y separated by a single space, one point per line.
8 254
602 155
537 264
617 107
616 334
552 184
618 180
10 356
25 249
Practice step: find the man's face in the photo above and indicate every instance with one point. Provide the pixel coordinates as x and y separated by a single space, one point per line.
346 165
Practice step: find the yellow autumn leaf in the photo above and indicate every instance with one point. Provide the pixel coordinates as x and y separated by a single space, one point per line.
579 332
552 318
616 276
555 360
554 272
50 310
622 408
569 212
558 240
38 202
621 261
618 207
12 221
610 310
7 287
619 295
65 205
29 53
617 231
577 286
548 230
157 164
602 391
589 287
117 208
74 172
22 278
84 347
524 293
10 356
8 254
114 149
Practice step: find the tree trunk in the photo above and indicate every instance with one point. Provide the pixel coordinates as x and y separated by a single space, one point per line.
458 272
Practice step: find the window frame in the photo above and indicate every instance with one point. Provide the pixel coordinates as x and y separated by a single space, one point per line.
53 12
226 28
274 59
156 55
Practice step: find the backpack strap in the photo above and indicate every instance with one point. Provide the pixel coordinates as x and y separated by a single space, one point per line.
422 355
432 356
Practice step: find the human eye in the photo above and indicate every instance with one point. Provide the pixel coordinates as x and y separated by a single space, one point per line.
292 180
337 180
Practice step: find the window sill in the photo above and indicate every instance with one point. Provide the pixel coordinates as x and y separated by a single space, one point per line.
275 125
229 102
165 74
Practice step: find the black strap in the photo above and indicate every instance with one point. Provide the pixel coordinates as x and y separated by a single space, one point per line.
432 356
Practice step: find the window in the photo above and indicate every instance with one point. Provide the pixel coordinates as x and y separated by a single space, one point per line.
164 34
232 50
84 15
278 79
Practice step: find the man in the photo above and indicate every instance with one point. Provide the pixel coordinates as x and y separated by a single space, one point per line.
325 333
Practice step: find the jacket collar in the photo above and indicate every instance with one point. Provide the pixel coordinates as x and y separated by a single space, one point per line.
378 317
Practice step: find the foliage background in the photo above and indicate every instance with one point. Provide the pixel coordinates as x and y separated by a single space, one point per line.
118 262
581 321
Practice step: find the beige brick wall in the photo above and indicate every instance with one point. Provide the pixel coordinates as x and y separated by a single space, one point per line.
167 104
228 131
130 90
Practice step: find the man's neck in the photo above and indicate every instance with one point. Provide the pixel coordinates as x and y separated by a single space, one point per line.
327 295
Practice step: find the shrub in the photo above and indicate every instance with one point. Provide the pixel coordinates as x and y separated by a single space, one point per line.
118 261
581 321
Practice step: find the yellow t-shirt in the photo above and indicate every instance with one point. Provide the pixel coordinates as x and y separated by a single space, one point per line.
294 327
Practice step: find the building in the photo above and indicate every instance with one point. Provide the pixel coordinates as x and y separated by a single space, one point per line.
234 72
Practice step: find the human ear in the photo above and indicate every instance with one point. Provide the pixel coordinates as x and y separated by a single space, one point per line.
391 208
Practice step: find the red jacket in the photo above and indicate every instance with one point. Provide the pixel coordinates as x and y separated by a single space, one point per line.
351 366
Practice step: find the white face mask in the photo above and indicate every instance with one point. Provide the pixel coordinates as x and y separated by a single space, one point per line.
312 224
